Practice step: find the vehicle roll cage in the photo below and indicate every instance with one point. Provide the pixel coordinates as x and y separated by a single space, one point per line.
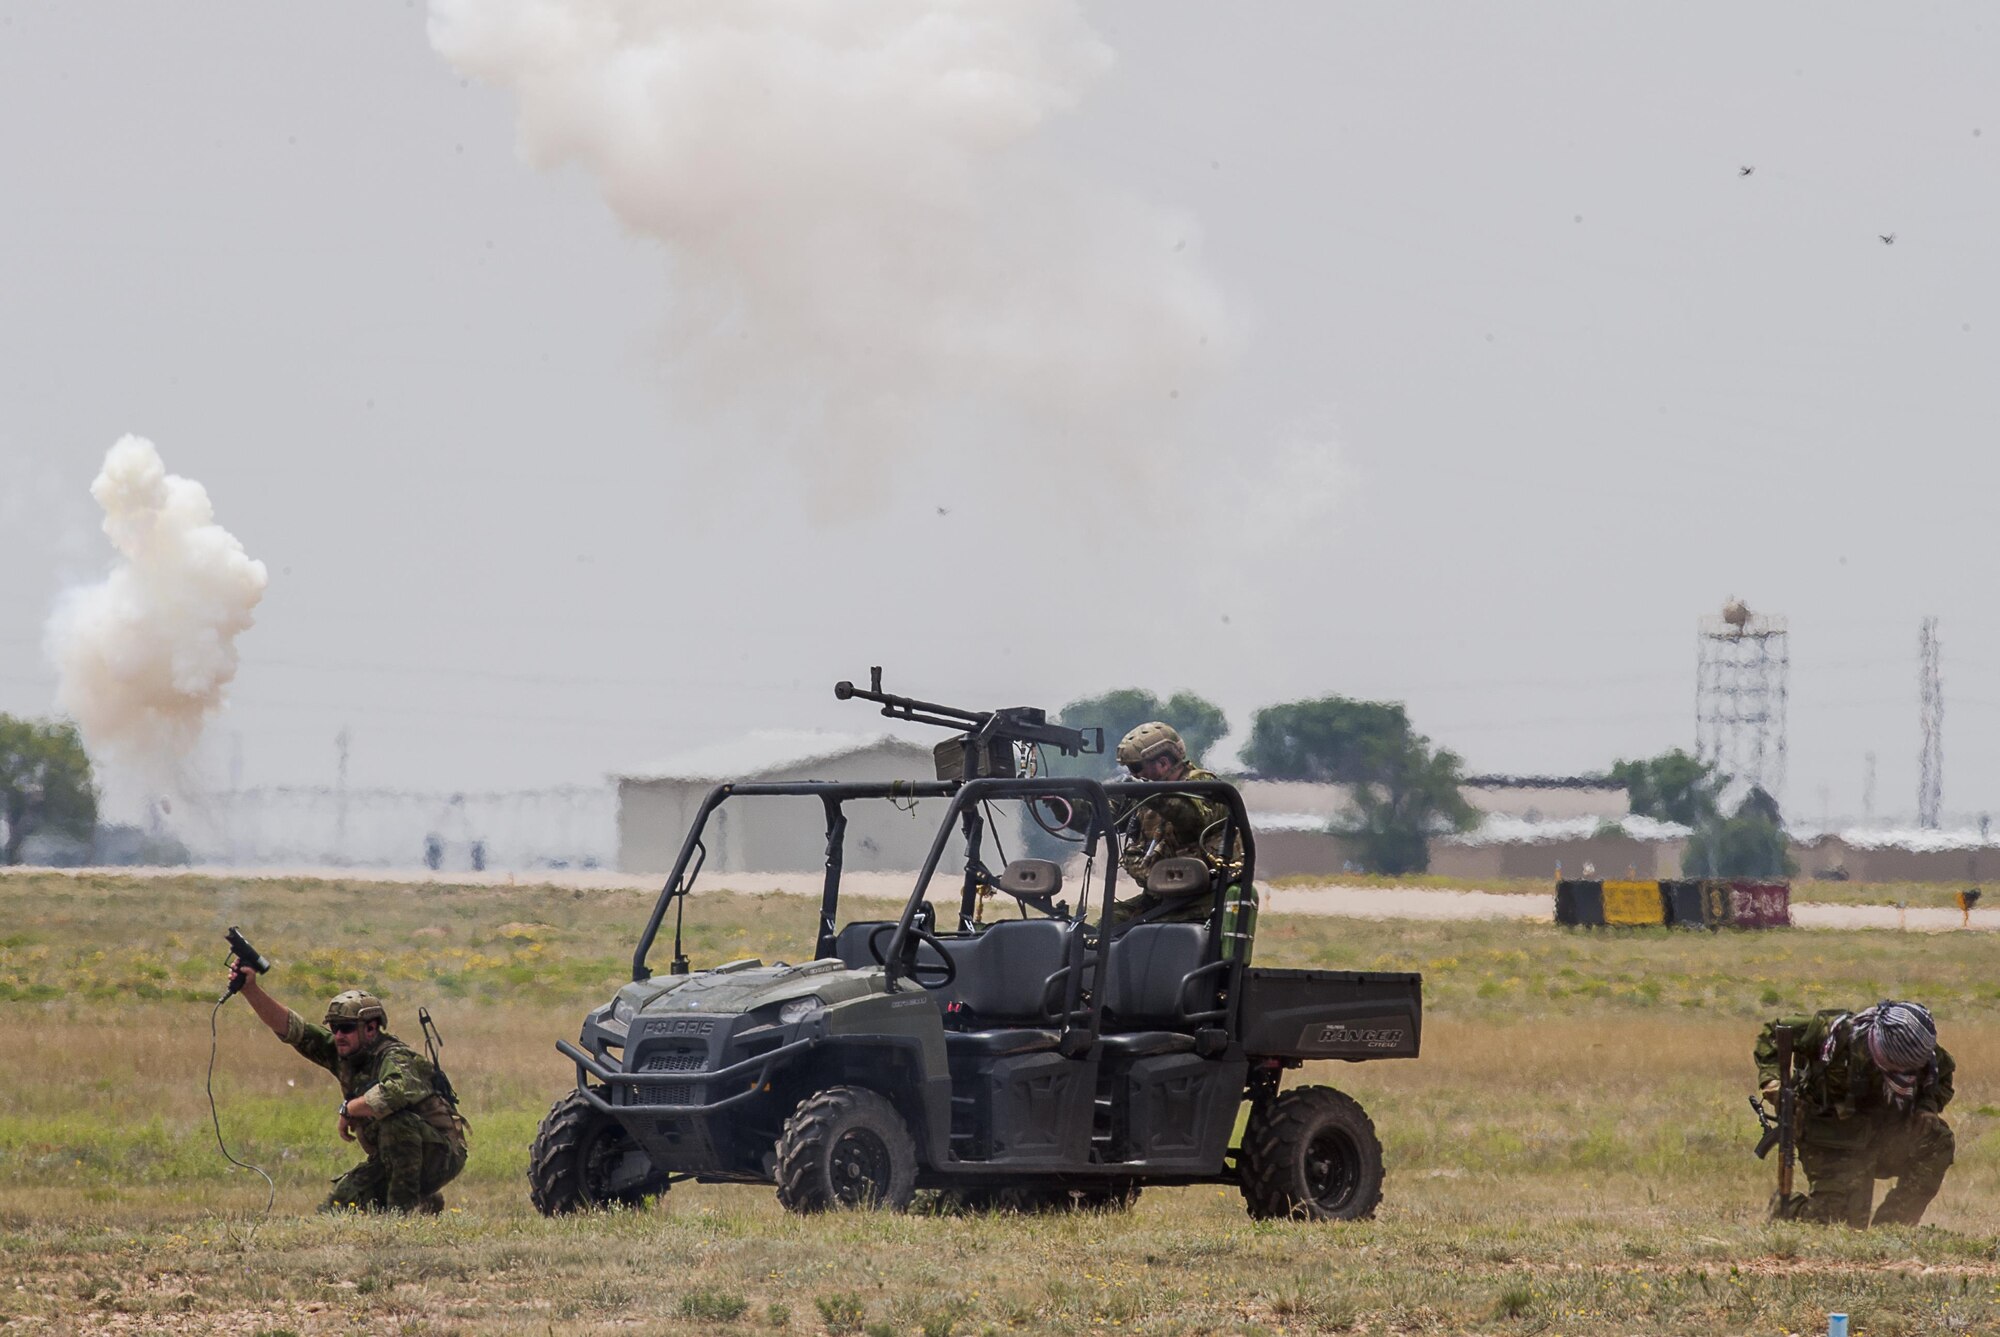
967 797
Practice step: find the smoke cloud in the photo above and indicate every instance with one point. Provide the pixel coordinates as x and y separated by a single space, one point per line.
866 255
145 654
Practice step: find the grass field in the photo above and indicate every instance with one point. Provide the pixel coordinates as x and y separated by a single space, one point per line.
1571 1154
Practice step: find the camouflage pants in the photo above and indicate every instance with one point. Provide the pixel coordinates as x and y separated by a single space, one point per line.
1915 1152
411 1161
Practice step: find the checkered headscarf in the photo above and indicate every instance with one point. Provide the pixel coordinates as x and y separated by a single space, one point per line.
1902 1037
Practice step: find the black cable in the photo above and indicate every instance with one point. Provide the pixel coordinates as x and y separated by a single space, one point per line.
216 1119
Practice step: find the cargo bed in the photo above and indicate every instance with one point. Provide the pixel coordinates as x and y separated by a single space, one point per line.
1330 1014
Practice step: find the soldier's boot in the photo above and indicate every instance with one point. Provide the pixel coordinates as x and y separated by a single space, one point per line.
1919 1166
431 1204
359 1190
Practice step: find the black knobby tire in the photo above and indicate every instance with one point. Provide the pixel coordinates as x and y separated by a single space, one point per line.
1312 1155
574 1151
846 1147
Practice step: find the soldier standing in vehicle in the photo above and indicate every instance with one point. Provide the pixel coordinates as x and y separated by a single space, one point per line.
391 1101
1872 1087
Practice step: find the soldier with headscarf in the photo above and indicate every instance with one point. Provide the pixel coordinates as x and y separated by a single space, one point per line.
1872 1087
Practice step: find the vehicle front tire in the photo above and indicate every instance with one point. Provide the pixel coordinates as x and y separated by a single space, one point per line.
1311 1155
846 1147
578 1153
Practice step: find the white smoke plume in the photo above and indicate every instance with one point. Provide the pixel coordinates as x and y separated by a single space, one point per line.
866 253
144 655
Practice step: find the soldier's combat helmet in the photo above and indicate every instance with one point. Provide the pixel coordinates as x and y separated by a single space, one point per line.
1902 1037
356 1005
1150 740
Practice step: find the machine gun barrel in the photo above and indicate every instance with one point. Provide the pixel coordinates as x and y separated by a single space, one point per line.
1014 724
908 707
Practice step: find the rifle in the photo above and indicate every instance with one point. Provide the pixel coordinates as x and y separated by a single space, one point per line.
1782 1131
985 746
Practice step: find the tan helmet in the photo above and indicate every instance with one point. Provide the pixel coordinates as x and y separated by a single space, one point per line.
1149 740
356 1005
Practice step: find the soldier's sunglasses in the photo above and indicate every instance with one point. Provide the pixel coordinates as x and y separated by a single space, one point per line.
344 1027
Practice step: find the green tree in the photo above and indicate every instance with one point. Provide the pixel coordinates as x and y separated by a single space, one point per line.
1405 791
1672 787
1333 740
1751 843
45 783
1410 794
1200 721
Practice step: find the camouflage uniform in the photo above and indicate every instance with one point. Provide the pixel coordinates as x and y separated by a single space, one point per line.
415 1141
1851 1133
1165 826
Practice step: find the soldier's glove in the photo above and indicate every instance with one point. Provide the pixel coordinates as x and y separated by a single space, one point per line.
1770 1093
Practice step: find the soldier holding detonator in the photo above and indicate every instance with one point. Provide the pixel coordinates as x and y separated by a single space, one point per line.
394 1101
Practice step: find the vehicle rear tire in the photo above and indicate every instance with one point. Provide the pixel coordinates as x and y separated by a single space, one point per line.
574 1155
846 1147
1311 1155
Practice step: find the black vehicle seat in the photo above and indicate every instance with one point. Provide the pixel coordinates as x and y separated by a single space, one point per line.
1148 983
1004 987
851 946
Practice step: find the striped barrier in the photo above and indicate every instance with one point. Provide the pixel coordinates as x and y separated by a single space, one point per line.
1681 899
1580 904
1684 903
1634 904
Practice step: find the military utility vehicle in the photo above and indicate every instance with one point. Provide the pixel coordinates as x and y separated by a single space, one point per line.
1034 1054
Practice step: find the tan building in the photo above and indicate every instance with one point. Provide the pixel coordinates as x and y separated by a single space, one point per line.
778 835
1905 856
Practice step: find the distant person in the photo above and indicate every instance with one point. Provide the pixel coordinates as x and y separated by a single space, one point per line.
1872 1087
1159 826
390 1101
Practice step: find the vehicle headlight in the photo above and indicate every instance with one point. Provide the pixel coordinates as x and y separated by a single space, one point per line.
621 1011
798 1009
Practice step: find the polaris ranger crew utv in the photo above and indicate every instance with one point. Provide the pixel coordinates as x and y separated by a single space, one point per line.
1045 1059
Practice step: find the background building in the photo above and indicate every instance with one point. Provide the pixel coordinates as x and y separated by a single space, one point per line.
778 835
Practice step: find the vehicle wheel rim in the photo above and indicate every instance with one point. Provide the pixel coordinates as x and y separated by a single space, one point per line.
859 1166
601 1155
1332 1169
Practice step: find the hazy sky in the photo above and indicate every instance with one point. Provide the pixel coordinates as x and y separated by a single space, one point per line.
1439 353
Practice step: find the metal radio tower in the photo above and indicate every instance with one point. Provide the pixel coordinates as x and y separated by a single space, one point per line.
1743 666
1930 695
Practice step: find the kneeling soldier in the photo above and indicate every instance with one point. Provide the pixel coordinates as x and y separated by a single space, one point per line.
1872 1087
390 1101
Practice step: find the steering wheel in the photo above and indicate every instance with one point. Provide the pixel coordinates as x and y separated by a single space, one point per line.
928 974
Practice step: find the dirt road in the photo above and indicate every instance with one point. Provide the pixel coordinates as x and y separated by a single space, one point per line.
1332 899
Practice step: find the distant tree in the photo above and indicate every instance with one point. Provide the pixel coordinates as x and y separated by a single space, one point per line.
1331 740
1200 722
1405 791
1411 792
1751 843
1672 787
45 783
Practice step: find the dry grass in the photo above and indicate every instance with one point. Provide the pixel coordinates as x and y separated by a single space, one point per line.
1570 1156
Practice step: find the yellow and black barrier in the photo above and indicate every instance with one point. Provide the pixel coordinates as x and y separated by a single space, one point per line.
1682 902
